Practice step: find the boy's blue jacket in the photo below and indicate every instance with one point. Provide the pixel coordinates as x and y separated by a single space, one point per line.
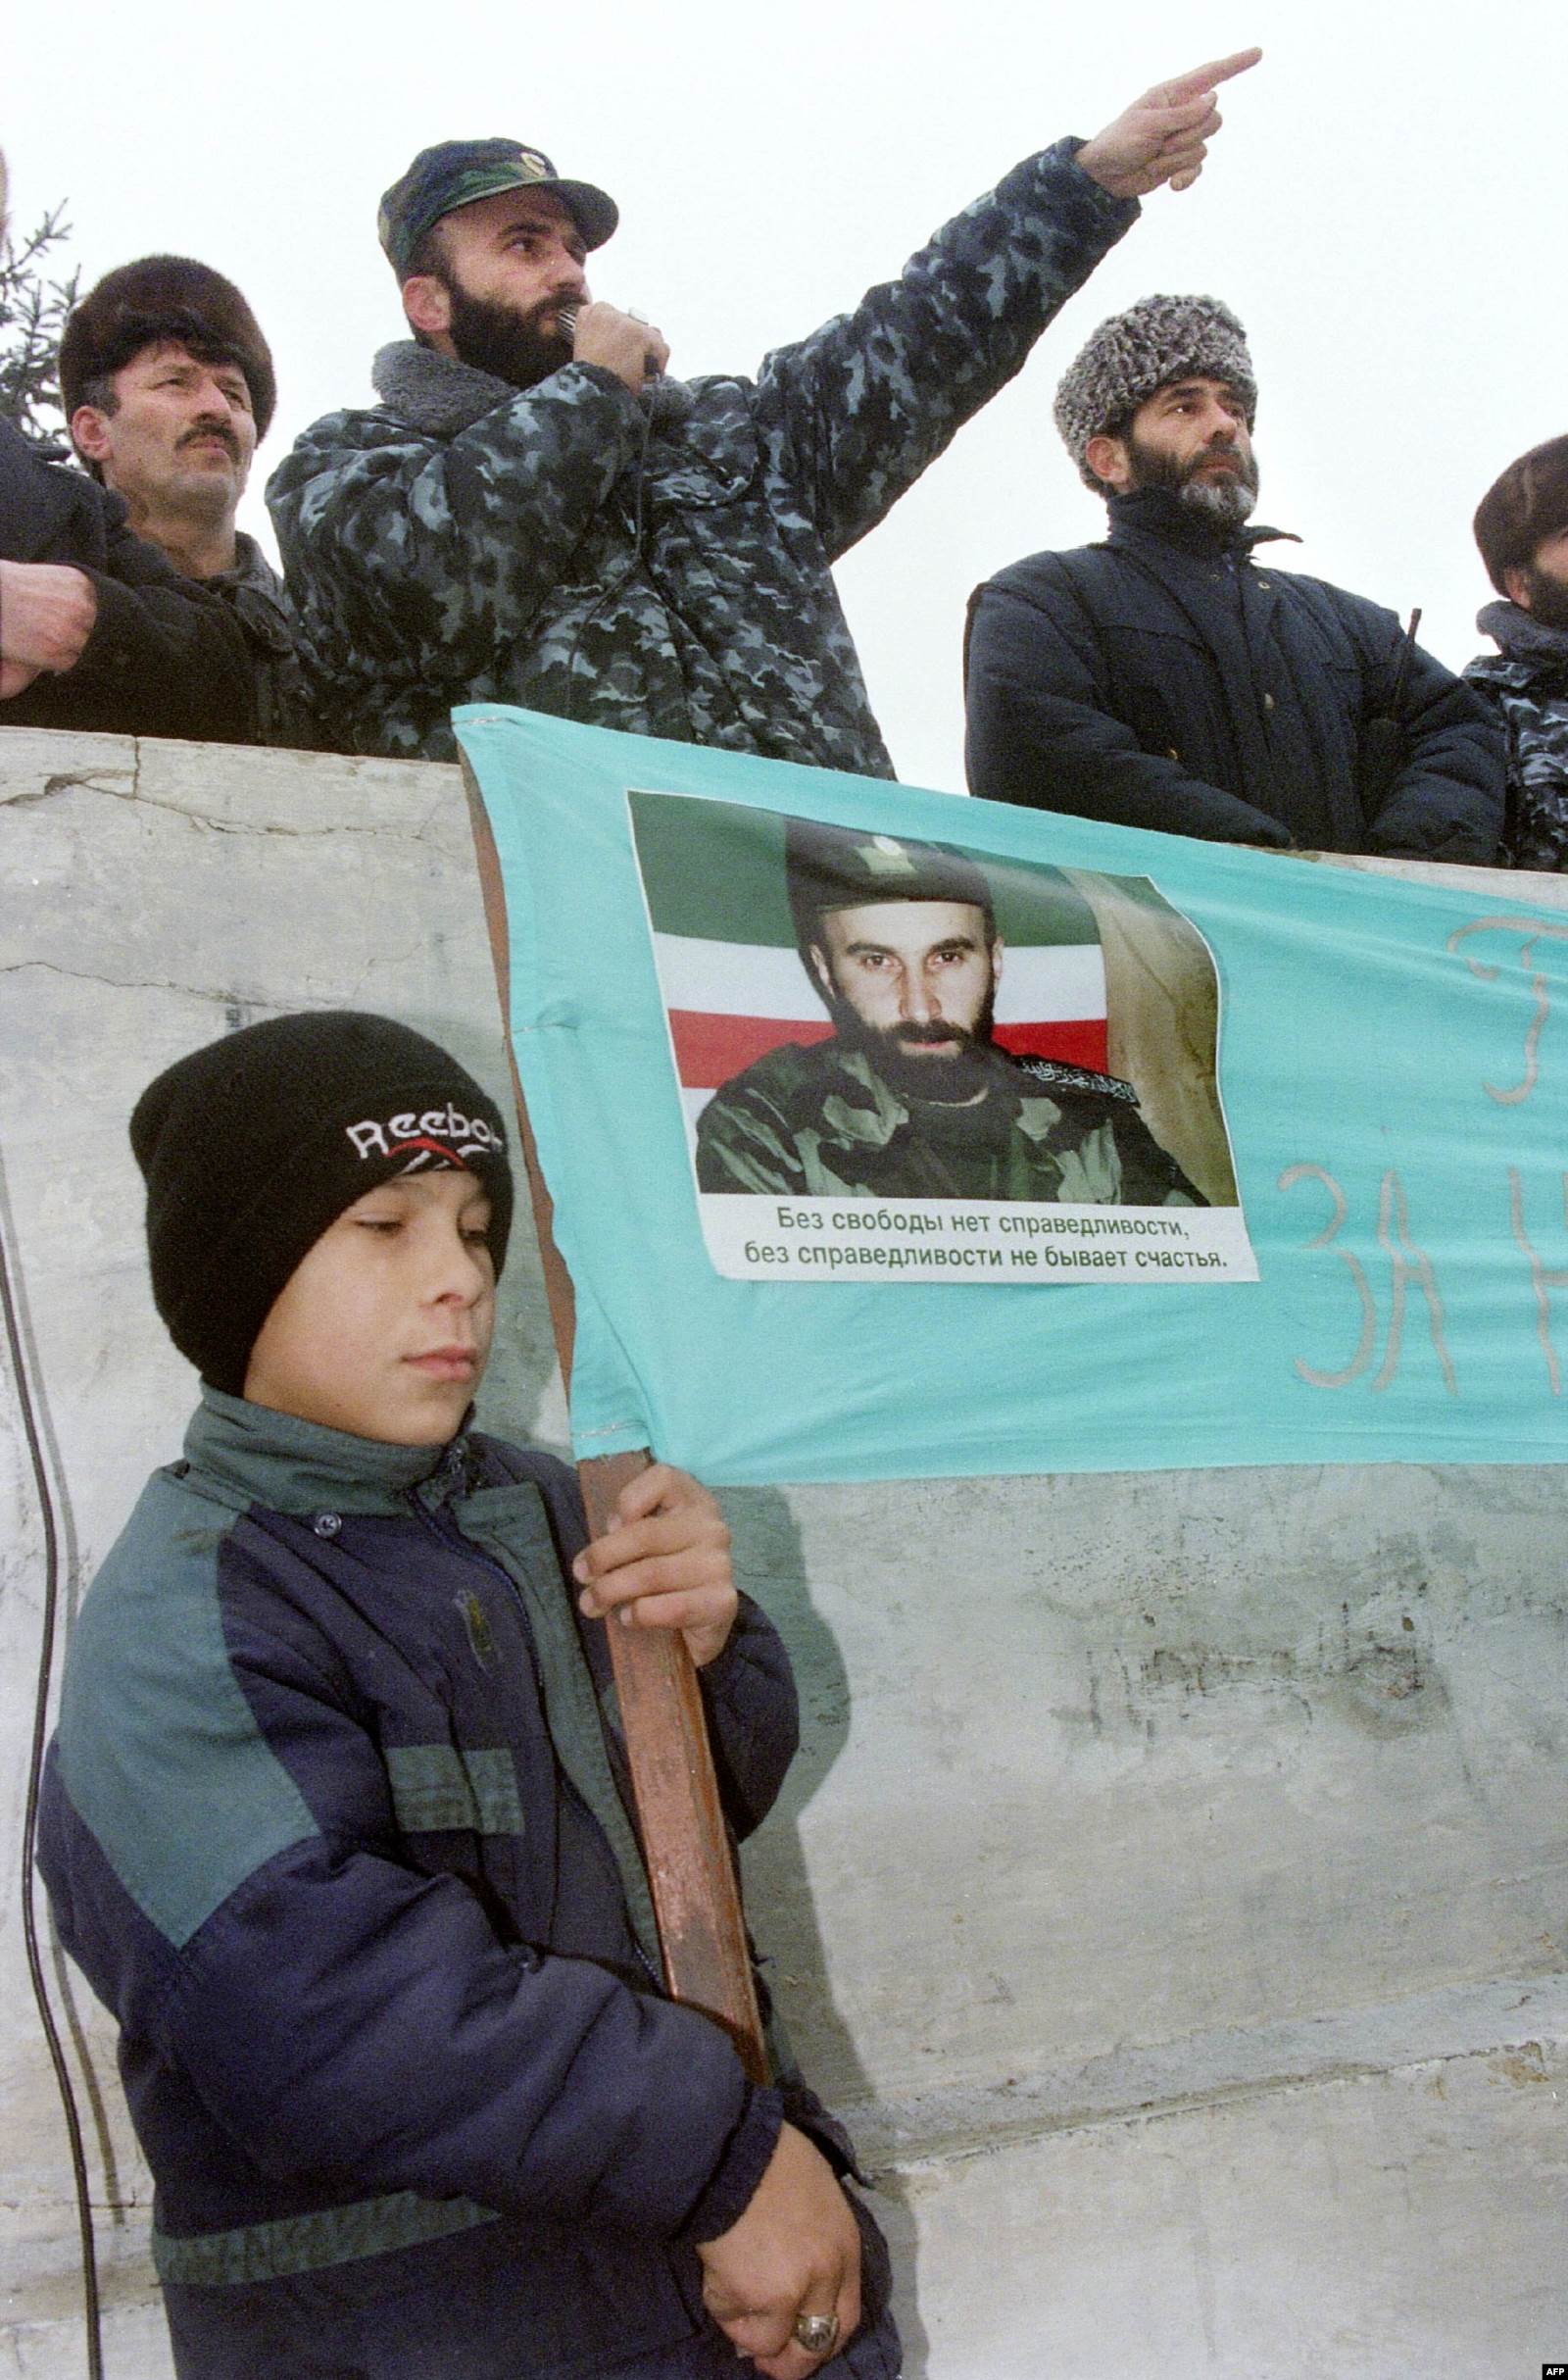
334 1824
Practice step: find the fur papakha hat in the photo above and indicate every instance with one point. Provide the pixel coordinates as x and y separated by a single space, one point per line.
164 297
1159 340
1529 503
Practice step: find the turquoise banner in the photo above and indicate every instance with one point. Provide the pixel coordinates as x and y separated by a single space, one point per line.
892 1134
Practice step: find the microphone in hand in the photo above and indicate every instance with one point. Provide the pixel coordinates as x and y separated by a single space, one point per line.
668 401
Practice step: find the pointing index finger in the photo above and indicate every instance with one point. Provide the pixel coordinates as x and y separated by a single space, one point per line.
1204 77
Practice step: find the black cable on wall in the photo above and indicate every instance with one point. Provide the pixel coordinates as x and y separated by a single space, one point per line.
30 1822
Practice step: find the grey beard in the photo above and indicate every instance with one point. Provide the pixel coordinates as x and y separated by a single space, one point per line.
1224 503
1227 503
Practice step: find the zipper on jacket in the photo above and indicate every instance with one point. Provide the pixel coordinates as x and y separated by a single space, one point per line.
446 1532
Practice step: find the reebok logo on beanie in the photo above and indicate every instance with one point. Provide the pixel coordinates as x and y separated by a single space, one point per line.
255 1144
440 1134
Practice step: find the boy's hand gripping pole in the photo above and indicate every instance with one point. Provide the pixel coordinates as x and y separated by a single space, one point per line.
691 1869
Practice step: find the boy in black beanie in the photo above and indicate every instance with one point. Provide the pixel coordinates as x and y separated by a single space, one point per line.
333 1820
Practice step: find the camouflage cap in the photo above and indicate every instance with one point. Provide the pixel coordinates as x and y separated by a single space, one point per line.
847 867
456 172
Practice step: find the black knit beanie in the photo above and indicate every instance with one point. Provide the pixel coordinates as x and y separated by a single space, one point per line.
254 1145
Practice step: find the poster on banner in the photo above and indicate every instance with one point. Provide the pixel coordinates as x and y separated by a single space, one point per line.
891 1057
1049 1055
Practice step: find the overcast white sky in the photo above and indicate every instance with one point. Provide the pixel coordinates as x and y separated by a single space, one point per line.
1383 209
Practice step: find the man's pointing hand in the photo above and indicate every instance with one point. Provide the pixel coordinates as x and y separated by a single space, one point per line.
1163 136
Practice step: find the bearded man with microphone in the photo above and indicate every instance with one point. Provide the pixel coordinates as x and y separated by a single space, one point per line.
535 514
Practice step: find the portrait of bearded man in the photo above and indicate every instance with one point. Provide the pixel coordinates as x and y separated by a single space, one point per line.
912 1095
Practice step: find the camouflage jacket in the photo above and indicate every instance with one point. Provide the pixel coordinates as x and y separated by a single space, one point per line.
818 1122
663 567
1526 681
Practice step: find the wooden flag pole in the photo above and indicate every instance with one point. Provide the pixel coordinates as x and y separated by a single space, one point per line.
691 1871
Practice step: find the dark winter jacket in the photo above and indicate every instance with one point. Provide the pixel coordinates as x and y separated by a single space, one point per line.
260 601
164 658
1162 679
334 1824
660 565
1526 683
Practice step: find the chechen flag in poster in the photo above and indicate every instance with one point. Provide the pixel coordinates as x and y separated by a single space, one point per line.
736 986
859 1017
1076 1148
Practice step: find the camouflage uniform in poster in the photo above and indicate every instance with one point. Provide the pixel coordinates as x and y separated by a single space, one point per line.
912 1098
821 1122
663 564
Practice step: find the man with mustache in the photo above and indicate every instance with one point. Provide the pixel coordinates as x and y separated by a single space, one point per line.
1162 679
97 633
912 1097
169 388
536 512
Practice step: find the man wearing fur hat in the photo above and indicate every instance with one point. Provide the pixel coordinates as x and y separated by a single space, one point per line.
536 512
1522 530
97 633
169 388
1162 679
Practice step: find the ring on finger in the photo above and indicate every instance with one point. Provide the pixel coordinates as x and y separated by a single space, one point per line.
817 2333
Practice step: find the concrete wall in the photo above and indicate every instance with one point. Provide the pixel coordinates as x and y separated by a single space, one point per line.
1172 1882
